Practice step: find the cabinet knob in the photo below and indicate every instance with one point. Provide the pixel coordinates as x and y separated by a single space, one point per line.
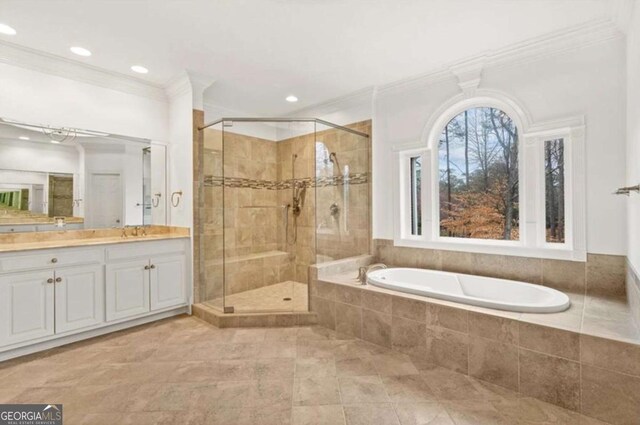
153 266
54 260
147 267
58 279
50 280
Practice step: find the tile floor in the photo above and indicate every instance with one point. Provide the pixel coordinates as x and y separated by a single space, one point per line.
268 298
184 371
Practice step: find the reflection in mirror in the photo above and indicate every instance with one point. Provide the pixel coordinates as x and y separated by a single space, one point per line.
65 178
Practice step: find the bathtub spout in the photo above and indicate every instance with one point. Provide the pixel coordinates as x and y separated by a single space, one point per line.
363 271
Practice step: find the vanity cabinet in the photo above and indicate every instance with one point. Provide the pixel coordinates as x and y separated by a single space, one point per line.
55 293
168 281
41 303
146 284
127 289
79 297
26 307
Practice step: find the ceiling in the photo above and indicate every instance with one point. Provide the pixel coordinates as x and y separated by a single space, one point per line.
260 51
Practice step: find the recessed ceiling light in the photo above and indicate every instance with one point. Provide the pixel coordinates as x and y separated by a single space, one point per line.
23 138
80 51
292 99
139 69
6 29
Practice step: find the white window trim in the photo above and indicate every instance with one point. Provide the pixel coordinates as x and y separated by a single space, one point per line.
532 242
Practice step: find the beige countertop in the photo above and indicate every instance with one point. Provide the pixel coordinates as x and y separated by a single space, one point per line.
20 221
16 242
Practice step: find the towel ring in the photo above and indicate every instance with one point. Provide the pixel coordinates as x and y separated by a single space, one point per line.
155 201
175 198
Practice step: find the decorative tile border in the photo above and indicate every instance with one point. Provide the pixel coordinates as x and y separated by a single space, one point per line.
237 182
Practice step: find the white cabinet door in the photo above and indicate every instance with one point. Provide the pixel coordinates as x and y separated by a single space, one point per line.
79 297
168 282
26 306
127 289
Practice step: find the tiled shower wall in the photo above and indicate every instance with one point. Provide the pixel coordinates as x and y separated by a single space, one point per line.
253 238
258 174
348 233
601 275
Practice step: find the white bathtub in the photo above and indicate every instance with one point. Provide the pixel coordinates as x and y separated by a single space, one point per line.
488 292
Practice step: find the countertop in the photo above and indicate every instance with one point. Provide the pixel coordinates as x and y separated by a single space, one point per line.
77 238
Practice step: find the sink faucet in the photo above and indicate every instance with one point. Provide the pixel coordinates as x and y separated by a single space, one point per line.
364 271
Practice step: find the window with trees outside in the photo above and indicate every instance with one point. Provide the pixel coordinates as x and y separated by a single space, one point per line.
554 190
478 177
485 178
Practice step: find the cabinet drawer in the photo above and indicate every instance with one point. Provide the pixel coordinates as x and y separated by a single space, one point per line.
145 249
48 259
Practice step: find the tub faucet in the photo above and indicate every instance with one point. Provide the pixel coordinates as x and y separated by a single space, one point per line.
363 271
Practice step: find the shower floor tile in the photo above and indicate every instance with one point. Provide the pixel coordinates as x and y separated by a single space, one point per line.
283 296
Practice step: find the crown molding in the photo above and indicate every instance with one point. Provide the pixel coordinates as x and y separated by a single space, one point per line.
621 13
531 50
177 86
337 104
25 57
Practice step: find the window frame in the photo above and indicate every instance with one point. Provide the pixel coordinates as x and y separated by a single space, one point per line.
531 170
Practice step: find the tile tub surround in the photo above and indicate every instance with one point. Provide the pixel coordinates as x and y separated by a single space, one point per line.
601 275
633 292
185 371
567 359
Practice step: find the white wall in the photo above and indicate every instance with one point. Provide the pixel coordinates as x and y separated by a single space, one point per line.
39 157
633 137
588 81
35 97
181 154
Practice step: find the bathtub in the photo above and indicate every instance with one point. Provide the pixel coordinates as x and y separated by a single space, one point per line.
500 294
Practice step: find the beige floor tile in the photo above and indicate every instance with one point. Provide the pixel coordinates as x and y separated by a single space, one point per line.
282 296
475 413
318 415
450 385
272 415
371 414
408 388
315 367
427 413
362 389
356 367
184 371
316 391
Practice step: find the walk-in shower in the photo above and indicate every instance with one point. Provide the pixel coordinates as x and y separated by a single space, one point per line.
275 202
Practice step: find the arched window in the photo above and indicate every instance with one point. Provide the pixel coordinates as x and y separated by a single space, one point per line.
485 178
478 176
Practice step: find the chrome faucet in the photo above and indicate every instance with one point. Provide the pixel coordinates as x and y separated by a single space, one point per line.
364 271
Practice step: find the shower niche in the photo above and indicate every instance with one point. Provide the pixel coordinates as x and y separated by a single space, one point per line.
279 195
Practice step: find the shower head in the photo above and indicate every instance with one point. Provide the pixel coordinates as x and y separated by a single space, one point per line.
334 158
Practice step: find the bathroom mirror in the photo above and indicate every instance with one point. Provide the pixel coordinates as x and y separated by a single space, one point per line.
67 178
